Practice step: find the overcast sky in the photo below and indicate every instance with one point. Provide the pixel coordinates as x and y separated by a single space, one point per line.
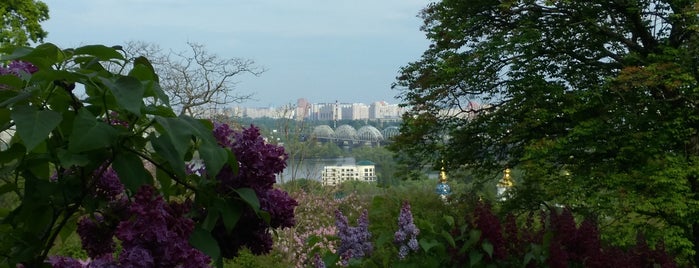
322 50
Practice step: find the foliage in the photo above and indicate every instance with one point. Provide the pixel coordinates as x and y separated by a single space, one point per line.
19 21
593 101
104 153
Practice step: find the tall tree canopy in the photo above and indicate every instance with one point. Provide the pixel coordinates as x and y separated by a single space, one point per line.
596 102
20 21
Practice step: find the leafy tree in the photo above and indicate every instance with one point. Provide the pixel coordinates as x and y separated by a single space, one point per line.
20 22
197 81
594 101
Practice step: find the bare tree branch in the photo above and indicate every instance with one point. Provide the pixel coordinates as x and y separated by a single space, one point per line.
196 81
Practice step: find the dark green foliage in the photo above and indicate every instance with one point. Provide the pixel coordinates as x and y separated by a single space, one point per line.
19 22
592 101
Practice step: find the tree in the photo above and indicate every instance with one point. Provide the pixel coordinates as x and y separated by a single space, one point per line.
197 82
594 101
20 22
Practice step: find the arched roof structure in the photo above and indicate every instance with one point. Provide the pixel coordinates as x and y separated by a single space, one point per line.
390 132
323 132
346 132
369 133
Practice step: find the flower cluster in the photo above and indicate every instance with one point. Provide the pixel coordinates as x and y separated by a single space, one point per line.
156 235
18 68
406 236
107 183
258 164
152 234
355 241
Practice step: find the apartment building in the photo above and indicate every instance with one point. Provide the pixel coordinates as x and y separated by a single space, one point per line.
362 171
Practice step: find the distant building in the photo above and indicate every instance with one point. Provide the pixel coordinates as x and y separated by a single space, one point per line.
383 110
354 111
362 171
303 109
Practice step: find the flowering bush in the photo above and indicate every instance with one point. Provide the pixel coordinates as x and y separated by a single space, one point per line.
315 232
81 139
406 236
354 240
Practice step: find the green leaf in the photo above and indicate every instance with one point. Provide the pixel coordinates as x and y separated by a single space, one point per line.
214 157
128 92
89 133
101 52
67 159
132 174
204 241
143 70
159 110
11 82
474 257
166 150
211 219
230 213
488 248
248 195
43 56
449 238
426 245
178 132
34 126
165 182
12 97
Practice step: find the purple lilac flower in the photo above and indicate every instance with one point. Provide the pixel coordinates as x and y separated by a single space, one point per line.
18 68
258 162
107 183
157 234
223 134
406 236
280 207
115 121
65 262
318 261
96 236
354 241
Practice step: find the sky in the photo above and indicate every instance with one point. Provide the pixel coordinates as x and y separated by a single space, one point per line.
322 50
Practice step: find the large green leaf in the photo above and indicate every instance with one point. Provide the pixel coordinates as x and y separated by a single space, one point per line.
128 92
250 197
214 157
204 241
101 52
178 131
165 149
90 134
43 56
131 171
230 212
34 126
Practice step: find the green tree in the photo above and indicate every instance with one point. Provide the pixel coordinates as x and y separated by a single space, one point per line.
594 101
20 22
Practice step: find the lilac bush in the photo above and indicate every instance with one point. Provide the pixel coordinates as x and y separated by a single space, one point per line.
258 164
315 231
152 233
355 241
406 235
